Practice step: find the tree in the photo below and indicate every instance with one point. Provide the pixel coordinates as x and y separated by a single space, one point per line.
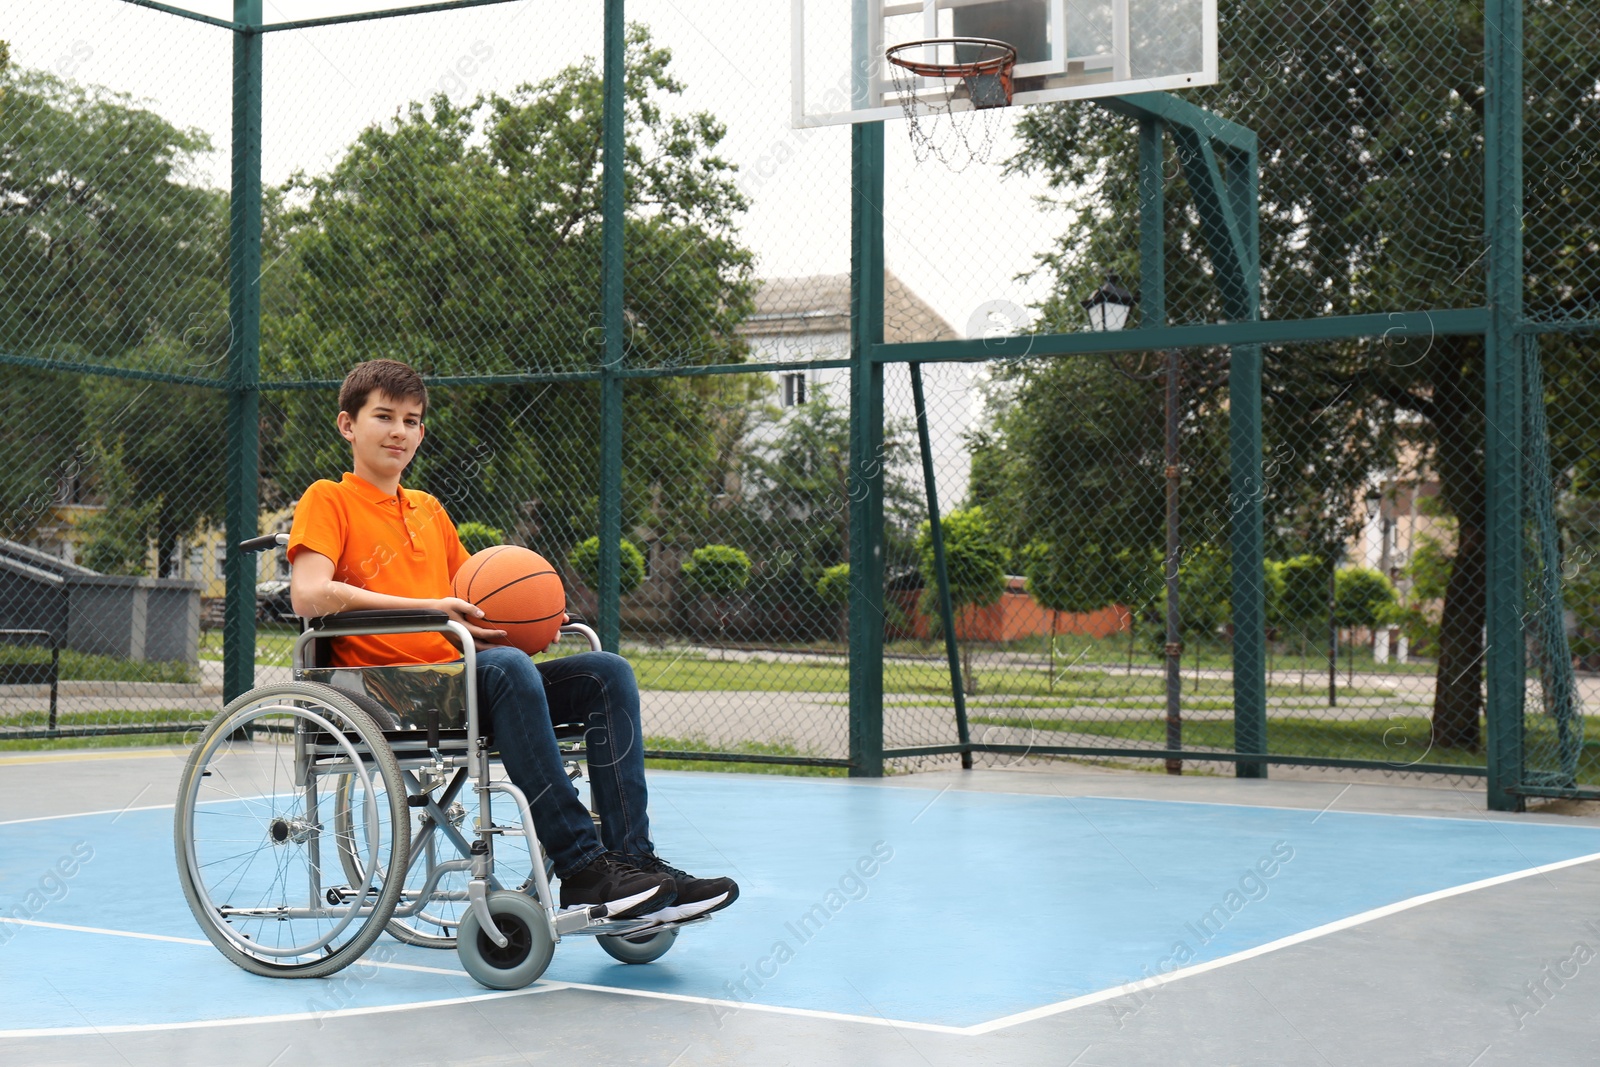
1302 607
466 239
108 256
475 537
833 589
716 571
975 565
1370 120
800 480
585 562
1073 579
1362 597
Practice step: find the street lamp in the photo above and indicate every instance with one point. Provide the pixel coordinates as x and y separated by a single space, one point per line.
1108 306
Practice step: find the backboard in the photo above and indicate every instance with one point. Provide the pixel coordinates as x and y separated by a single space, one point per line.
1066 49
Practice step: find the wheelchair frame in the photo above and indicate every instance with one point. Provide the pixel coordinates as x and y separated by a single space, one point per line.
327 747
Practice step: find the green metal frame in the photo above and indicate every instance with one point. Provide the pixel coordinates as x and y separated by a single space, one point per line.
947 615
613 208
1220 165
1503 404
242 500
1218 158
866 451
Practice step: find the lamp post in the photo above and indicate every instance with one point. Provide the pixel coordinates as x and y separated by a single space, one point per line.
1108 308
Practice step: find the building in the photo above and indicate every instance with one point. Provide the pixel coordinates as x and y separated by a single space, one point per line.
805 319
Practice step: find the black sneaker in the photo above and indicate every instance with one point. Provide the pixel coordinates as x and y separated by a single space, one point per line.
695 896
612 879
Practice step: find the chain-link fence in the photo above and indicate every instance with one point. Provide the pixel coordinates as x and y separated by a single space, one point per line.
434 189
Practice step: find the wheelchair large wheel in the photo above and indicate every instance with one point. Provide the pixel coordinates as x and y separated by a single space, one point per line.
646 948
255 857
530 944
439 851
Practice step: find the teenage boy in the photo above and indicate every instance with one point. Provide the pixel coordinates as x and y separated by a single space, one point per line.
366 543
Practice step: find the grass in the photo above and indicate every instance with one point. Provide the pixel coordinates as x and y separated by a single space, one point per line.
108 720
754 748
1397 741
1113 650
81 666
274 642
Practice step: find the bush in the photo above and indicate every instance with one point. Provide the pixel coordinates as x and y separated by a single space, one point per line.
975 561
585 563
717 570
1362 596
834 585
475 537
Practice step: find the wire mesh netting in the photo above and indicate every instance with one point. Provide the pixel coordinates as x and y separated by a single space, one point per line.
434 192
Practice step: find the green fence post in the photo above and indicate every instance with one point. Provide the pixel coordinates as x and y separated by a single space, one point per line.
1249 599
244 354
947 615
613 209
866 451
1503 410
1152 223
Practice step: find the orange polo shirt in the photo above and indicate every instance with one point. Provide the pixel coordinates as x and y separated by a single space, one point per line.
403 545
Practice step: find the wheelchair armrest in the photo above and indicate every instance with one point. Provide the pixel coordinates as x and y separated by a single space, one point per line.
358 621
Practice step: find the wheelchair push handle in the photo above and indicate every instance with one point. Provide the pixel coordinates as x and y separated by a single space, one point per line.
264 542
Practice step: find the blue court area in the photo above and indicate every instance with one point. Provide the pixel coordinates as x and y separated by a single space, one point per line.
942 909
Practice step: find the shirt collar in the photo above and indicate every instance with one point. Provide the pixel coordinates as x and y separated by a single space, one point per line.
372 494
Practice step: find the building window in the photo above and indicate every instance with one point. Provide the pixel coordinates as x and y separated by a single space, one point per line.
794 389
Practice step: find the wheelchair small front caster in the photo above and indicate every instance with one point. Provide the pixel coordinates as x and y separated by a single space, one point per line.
529 942
641 948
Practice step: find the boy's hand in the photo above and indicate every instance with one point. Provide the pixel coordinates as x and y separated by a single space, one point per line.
468 615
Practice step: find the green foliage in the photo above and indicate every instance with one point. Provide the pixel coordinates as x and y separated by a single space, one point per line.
1428 575
1370 120
1362 596
833 588
975 561
716 570
117 539
475 537
1429 568
799 481
109 255
466 239
1080 578
1302 608
1089 476
584 560
1205 590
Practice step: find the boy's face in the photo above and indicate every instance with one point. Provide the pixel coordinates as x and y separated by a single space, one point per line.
383 435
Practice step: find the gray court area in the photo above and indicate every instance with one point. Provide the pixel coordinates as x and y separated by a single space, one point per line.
1504 974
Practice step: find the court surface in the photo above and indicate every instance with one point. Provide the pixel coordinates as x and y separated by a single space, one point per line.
1062 917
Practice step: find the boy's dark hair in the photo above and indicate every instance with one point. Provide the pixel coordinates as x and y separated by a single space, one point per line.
381 376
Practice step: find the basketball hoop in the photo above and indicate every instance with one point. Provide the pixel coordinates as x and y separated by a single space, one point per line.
941 83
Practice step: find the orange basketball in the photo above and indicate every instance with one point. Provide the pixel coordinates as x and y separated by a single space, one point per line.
519 593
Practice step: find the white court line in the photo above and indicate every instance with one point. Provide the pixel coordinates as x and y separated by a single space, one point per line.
975 1030
1271 946
84 814
543 986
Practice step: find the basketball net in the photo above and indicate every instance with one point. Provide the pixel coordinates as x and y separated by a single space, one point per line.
952 91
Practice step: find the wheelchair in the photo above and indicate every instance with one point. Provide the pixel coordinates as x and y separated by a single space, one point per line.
315 814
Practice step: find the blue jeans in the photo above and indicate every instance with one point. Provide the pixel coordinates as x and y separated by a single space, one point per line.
521 702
